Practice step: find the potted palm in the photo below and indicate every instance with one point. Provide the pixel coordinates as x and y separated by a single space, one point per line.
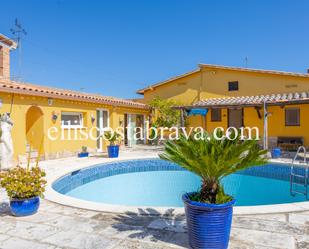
24 186
112 148
209 210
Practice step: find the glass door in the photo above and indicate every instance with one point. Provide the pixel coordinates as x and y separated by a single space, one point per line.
102 122
132 121
140 122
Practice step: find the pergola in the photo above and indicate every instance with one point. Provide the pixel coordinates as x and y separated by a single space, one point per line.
258 101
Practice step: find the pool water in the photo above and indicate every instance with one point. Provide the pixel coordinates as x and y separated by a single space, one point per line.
165 188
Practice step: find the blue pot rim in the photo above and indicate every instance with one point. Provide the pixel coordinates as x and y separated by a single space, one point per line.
205 206
24 199
117 145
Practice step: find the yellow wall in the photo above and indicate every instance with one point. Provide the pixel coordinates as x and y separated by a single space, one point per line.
210 83
22 132
35 128
276 122
184 90
223 123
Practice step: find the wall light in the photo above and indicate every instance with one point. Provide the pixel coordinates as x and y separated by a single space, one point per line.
54 116
92 118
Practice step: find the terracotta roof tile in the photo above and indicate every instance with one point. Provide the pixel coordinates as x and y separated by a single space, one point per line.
243 69
7 41
141 91
213 66
30 89
255 100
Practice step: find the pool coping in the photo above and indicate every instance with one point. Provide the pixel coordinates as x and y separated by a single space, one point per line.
54 196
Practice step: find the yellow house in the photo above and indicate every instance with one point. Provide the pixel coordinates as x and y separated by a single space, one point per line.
73 115
220 89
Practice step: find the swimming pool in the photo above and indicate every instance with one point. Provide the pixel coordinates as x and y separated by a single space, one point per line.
158 183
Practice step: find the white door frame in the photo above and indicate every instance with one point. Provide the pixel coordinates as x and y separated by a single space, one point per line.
101 125
144 127
129 117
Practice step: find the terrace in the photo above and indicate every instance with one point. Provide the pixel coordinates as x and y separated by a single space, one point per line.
61 226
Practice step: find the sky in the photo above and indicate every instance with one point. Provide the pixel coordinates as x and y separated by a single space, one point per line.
117 47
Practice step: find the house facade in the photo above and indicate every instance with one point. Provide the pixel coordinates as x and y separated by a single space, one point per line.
211 85
58 122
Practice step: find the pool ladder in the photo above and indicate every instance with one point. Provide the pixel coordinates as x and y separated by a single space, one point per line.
302 178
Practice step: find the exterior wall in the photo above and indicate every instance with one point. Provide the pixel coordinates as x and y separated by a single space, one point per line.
57 148
211 83
184 90
276 122
4 62
223 123
215 83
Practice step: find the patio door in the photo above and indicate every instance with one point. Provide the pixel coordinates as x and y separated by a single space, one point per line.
132 121
102 122
235 118
131 124
140 122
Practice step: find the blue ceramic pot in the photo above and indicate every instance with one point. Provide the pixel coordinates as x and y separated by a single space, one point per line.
209 225
24 207
113 151
83 154
276 152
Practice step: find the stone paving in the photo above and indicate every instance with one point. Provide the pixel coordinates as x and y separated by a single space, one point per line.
56 226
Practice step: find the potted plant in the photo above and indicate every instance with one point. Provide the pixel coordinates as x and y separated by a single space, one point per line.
112 148
209 210
24 188
84 152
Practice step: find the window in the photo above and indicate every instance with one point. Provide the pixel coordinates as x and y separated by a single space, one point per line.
215 115
233 86
72 119
292 117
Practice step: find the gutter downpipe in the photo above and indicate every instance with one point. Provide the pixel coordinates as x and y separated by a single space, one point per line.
265 137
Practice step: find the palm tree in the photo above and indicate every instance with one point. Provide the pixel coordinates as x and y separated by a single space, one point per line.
212 160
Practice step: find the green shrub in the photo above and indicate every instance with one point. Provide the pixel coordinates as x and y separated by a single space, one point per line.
21 183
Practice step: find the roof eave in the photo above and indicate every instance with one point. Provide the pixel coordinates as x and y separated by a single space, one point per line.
153 86
7 42
33 90
254 70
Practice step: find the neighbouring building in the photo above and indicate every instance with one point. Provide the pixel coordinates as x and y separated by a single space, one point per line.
34 109
235 96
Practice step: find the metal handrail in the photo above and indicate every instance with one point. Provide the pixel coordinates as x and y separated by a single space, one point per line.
298 150
292 175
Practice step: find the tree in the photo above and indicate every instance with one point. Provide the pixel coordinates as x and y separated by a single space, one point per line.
164 114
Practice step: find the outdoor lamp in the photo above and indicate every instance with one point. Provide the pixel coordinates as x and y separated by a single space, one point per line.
54 116
92 118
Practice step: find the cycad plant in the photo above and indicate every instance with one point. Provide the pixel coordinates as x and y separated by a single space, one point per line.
213 159
112 137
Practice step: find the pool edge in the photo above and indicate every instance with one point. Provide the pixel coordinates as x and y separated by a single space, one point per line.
54 196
